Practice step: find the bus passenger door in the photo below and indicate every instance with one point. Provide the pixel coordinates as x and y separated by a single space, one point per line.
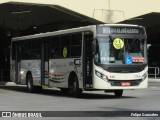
45 64
87 60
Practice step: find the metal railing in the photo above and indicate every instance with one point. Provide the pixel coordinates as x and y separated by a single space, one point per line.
4 75
155 71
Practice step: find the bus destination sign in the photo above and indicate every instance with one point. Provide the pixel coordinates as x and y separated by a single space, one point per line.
124 30
120 30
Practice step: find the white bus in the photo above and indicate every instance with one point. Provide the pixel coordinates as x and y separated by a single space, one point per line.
108 57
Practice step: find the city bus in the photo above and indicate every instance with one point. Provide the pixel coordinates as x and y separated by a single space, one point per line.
106 57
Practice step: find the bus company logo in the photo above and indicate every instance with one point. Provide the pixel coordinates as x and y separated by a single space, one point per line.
21 114
6 114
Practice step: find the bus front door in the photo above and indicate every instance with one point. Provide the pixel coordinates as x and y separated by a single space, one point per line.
87 60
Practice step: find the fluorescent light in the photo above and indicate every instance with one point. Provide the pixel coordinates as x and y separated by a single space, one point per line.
20 12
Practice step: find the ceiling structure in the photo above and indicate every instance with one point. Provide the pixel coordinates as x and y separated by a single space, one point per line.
27 17
42 18
151 22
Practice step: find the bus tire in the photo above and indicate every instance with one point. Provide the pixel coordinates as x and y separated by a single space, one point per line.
31 88
118 93
74 87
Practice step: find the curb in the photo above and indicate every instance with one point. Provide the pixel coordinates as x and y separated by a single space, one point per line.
154 80
7 83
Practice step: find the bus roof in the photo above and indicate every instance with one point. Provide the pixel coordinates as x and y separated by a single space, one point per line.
66 31
59 32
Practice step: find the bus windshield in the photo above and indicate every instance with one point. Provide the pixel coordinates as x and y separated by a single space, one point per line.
118 51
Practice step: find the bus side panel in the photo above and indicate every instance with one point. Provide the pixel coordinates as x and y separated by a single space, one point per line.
34 66
59 71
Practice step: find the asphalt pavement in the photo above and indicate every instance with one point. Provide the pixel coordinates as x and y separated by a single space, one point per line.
16 98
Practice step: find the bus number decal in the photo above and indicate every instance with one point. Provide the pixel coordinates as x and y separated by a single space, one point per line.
77 61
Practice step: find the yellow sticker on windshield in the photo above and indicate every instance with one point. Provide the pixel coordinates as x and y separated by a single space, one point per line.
118 43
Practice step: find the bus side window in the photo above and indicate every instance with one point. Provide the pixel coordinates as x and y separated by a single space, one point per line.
36 45
65 46
13 50
25 50
54 47
76 45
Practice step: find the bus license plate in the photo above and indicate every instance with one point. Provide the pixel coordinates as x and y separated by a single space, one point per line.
125 83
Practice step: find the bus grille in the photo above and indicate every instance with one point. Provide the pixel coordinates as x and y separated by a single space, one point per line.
125 69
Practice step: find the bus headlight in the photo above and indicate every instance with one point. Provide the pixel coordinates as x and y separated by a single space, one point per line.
22 72
100 75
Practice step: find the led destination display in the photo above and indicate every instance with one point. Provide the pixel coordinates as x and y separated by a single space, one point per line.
120 30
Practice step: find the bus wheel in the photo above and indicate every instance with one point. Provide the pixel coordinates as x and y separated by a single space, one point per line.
74 88
118 93
32 88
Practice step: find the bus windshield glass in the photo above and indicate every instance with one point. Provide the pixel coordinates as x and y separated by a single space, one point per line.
119 51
